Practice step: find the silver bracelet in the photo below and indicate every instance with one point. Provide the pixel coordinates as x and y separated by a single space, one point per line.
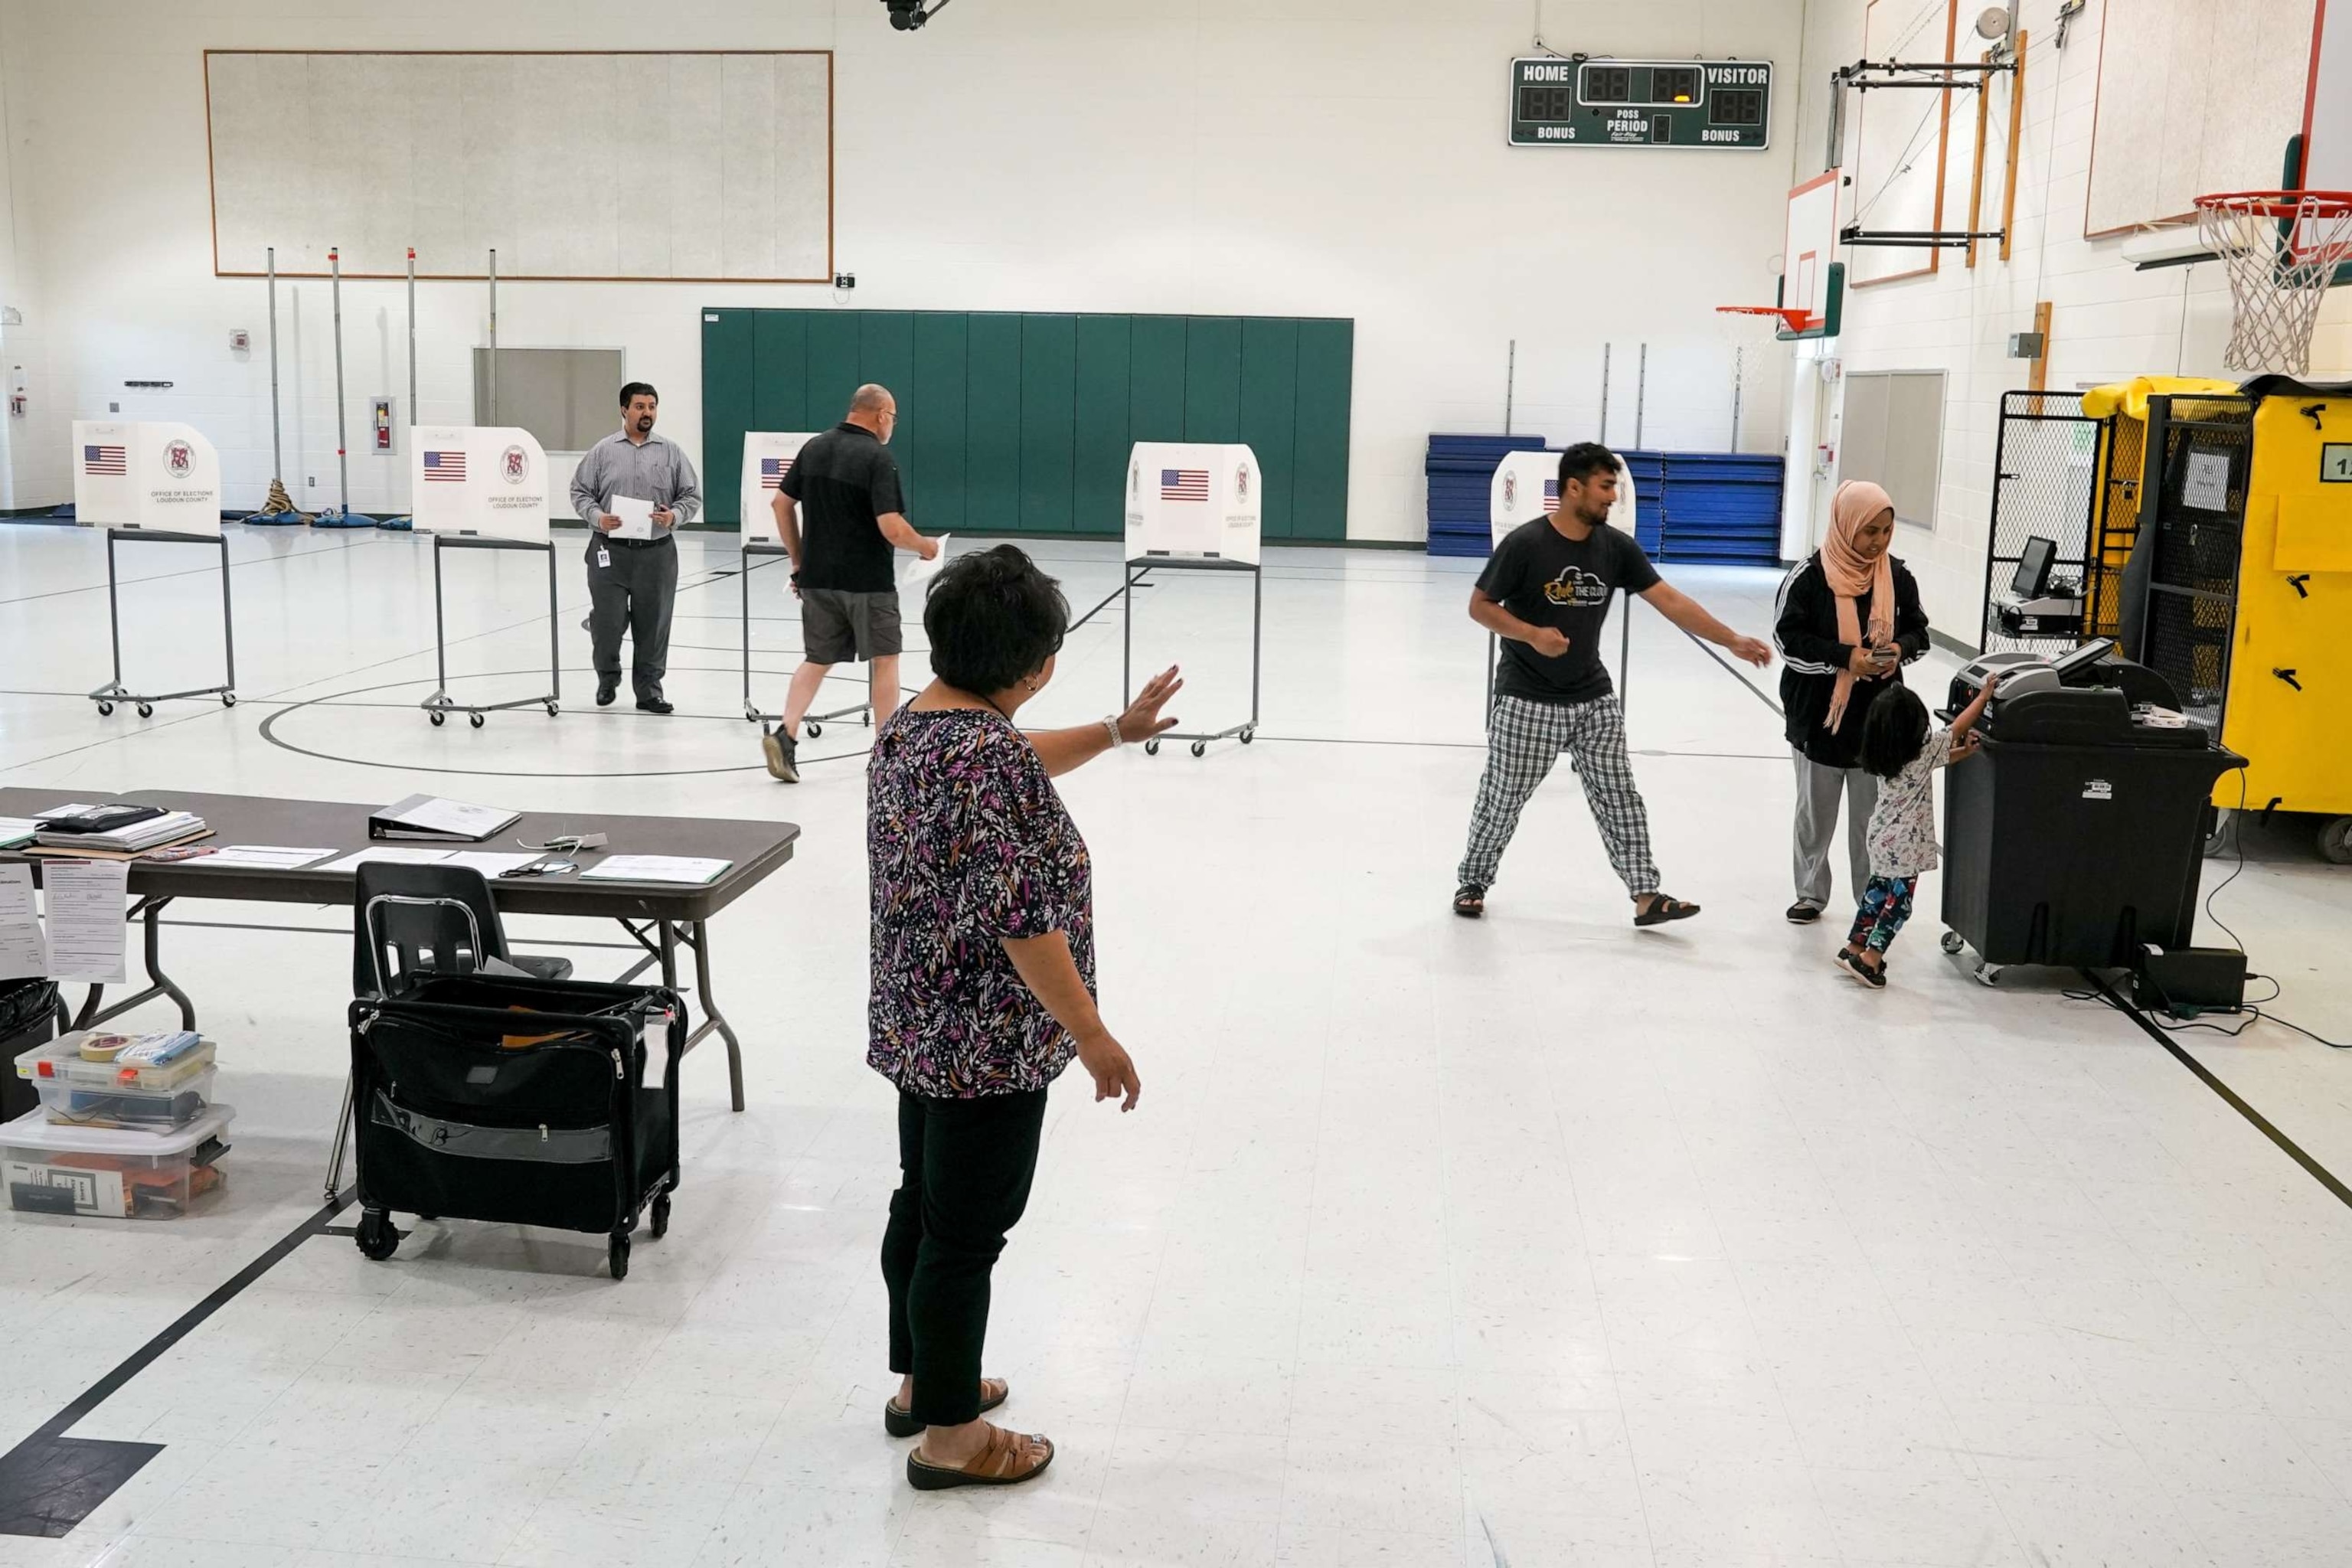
1110 728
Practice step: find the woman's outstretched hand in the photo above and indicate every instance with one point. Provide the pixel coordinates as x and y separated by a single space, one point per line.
1141 722
1113 1069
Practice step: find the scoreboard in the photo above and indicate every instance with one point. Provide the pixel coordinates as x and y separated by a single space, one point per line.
1559 101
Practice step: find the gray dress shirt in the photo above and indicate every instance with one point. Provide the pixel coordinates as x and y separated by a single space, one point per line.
656 471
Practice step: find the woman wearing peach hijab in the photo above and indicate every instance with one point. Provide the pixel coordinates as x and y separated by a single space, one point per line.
1847 621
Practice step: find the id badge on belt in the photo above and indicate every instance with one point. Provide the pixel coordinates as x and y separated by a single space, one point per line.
604 555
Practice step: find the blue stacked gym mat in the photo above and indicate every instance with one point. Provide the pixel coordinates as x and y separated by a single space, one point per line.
1714 508
1461 470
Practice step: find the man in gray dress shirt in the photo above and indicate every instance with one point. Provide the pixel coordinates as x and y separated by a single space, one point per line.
632 583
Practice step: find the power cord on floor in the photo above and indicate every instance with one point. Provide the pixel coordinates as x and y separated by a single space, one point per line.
2251 1012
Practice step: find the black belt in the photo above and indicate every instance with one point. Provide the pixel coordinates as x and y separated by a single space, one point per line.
636 543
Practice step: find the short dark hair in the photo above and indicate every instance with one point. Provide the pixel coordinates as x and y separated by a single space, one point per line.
994 619
1585 459
635 387
1894 732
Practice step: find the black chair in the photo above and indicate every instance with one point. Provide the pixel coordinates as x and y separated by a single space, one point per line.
439 918
435 919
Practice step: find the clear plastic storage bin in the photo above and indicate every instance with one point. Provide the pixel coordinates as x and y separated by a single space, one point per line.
112 1172
151 1082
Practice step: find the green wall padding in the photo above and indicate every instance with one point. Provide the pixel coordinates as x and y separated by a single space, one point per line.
1021 423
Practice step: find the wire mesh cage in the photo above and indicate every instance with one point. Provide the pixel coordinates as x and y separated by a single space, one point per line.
2051 464
2200 457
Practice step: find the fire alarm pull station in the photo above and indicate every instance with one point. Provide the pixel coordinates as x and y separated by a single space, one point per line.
383 424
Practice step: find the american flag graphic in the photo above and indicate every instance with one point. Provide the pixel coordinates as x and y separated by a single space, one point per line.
772 471
447 467
104 460
1551 493
1184 484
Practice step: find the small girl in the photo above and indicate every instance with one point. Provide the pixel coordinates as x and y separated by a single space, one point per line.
1898 748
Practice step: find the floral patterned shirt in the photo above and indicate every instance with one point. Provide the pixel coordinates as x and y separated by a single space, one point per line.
967 842
1903 824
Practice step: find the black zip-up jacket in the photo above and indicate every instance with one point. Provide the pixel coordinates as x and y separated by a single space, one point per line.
1805 629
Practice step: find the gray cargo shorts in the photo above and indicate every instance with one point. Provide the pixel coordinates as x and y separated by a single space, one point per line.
837 626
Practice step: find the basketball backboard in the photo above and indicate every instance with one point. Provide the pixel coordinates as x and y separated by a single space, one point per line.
1811 278
2327 102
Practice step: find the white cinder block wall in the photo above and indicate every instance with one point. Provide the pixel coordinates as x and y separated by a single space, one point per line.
1333 157
2108 321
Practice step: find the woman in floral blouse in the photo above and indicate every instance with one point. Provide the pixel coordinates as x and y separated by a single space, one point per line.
983 978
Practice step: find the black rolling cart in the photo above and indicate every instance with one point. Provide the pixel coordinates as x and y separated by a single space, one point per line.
1136 570
440 705
2078 832
114 691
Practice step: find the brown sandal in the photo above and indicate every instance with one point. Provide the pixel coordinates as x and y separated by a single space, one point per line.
899 1421
1007 1460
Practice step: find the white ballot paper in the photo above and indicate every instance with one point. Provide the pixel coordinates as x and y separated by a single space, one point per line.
85 918
919 570
397 854
23 951
266 856
636 517
655 868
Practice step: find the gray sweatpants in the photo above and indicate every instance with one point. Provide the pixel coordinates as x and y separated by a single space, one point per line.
634 594
1818 789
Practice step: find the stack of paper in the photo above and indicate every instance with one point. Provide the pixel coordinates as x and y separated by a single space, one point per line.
686 868
172 828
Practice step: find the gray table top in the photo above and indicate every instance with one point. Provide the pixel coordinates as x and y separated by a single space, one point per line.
756 848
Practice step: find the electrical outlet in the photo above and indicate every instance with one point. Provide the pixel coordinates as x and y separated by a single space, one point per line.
311 481
844 279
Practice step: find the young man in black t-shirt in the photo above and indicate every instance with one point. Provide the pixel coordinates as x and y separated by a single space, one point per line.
840 514
1546 593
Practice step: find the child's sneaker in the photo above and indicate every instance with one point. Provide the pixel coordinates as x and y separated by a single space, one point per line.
1853 964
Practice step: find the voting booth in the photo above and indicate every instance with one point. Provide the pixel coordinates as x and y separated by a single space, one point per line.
1526 486
156 482
768 456
1195 506
482 487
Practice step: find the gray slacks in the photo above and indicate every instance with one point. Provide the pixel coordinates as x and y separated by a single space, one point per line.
1818 789
636 595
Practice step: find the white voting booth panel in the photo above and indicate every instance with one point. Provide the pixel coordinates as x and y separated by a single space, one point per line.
767 458
1526 486
1194 499
488 480
145 474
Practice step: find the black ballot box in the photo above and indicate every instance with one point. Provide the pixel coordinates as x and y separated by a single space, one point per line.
2078 831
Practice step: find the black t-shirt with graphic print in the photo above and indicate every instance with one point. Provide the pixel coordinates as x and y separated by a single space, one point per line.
1549 580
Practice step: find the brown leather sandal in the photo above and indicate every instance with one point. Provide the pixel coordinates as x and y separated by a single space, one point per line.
899 1421
1007 1460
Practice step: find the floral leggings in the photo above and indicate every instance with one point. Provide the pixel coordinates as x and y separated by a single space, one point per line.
1885 905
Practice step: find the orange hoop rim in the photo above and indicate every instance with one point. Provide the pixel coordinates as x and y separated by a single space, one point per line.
2280 203
1792 320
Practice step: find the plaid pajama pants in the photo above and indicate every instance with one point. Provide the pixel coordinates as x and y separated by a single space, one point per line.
1523 740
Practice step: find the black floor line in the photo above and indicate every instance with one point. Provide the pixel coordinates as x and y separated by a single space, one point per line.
50 1482
2294 1151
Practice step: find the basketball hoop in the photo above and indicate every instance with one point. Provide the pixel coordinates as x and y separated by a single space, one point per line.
2282 248
1791 321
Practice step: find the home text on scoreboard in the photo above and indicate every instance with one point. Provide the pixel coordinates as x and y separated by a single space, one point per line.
1564 101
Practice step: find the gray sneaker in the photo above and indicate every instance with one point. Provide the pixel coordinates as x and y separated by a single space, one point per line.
783 755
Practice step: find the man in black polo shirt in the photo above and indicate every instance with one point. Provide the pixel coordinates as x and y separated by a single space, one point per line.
839 513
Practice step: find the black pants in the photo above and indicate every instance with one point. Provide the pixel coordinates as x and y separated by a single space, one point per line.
967 1165
634 593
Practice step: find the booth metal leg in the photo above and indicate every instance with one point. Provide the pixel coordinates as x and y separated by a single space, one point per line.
440 705
554 639
1245 731
114 691
437 706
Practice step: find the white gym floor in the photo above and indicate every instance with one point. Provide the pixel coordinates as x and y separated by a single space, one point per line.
1534 1241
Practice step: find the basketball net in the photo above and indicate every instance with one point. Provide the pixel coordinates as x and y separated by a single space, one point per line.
2282 249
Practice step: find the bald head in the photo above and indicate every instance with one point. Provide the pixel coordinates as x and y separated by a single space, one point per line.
871 407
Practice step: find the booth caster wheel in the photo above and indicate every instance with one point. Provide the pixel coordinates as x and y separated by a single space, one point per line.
377 1239
617 1258
2336 841
438 717
661 1217
1952 942
2224 837
1987 974
476 719
866 717
751 716
1200 748
1248 735
146 711
1150 748
814 729
105 709
552 709
228 699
